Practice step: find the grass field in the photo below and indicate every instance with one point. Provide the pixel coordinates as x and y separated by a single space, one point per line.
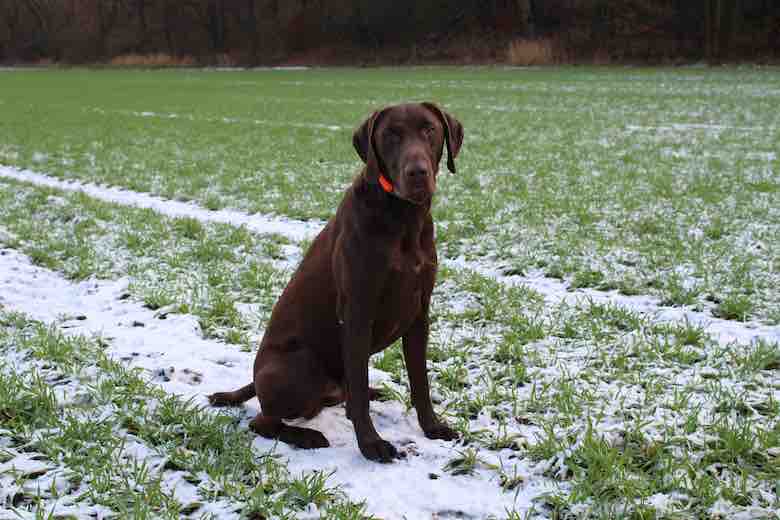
606 321
645 181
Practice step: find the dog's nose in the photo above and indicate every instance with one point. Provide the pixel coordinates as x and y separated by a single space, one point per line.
417 171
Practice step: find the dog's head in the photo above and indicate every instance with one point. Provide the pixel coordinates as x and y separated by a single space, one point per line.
402 146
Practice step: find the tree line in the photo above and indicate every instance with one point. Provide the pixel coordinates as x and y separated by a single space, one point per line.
252 32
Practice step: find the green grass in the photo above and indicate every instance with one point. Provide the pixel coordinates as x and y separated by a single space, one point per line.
652 181
89 439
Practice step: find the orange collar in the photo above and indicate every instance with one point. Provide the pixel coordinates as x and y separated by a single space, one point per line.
387 187
385 183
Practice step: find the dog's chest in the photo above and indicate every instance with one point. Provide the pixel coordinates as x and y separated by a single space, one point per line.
411 275
408 260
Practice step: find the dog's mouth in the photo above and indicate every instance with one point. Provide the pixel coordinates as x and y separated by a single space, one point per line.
420 196
418 192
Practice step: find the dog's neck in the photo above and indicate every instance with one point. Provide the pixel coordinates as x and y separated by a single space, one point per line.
404 216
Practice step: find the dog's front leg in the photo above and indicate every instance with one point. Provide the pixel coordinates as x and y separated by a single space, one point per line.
356 346
359 288
415 345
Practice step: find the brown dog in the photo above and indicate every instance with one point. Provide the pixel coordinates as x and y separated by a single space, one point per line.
365 282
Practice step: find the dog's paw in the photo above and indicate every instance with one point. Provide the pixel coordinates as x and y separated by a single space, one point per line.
304 438
379 450
440 430
221 399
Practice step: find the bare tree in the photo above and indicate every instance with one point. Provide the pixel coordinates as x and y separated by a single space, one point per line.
107 12
170 13
10 14
533 17
49 22
250 27
139 12
720 22
730 18
210 14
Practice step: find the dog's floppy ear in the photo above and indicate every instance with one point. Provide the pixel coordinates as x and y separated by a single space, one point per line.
363 141
453 133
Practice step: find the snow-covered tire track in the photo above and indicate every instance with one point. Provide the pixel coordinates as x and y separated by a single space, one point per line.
294 229
553 290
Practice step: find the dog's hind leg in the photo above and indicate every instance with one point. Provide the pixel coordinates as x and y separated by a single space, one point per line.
274 428
234 398
289 385
335 394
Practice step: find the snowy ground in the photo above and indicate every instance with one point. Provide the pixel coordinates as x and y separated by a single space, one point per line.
554 291
174 355
605 326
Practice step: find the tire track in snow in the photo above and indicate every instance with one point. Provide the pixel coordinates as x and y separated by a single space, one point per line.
553 290
294 229
227 120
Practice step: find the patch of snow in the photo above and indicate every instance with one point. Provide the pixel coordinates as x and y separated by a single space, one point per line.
724 510
228 120
25 464
682 127
39 157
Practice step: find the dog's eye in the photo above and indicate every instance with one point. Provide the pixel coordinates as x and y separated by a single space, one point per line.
392 135
428 130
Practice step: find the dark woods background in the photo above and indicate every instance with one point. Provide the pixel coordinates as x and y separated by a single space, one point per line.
251 32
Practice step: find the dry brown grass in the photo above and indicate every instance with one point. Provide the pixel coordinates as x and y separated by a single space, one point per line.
226 59
152 60
531 52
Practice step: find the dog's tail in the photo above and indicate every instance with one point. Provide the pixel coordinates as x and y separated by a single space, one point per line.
234 398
